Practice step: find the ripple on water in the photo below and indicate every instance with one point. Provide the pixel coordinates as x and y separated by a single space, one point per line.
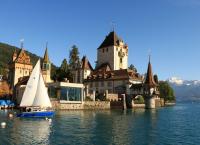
170 125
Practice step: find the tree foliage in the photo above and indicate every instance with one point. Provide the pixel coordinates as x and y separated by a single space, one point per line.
139 100
156 79
132 67
73 56
64 66
166 91
62 73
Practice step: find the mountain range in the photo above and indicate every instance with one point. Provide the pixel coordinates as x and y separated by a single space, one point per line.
185 90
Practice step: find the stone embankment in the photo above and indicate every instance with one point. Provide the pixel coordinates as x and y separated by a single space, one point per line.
87 105
100 105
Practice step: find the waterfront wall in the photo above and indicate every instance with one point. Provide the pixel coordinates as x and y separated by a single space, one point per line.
98 105
87 105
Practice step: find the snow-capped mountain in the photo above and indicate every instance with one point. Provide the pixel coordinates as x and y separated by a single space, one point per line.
175 80
178 81
185 90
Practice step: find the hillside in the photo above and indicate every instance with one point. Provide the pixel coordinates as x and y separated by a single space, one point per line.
6 52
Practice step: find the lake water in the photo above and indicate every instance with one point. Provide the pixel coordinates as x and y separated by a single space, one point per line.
175 125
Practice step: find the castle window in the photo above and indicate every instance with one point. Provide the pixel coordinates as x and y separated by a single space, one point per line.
20 71
107 49
44 66
109 84
109 90
102 83
96 84
90 91
120 60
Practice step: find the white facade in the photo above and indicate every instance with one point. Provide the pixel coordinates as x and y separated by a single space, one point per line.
116 56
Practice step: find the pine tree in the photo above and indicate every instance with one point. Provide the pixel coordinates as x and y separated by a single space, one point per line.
132 67
64 66
73 57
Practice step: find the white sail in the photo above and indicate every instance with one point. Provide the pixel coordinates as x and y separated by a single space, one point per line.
31 87
41 97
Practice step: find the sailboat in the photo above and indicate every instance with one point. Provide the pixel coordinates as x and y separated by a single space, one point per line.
35 100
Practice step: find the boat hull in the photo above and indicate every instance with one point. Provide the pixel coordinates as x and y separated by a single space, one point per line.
39 114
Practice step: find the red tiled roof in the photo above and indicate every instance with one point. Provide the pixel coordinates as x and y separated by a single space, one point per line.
22 57
103 68
122 74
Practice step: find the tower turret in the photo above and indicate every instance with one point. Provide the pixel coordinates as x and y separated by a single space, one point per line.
46 67
150 88
113 51
19 67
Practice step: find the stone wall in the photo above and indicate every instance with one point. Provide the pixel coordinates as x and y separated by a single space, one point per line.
96 105
138 106
88 105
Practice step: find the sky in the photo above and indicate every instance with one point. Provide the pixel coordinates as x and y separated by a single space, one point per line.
169 30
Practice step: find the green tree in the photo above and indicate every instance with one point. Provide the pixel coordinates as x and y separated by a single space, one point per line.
132 67
64 66
73 56
62 73
139 100
166 91
155 78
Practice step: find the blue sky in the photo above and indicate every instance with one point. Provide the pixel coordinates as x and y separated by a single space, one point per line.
169 28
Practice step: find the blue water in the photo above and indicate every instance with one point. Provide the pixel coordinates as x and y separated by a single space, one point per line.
165 126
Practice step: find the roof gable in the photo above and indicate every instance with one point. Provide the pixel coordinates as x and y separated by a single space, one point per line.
86 64
111 40
23 57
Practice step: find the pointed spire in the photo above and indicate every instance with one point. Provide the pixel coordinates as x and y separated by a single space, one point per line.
14 54
86 64
149 77
46 56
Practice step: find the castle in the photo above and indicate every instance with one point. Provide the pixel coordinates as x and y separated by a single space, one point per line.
111 75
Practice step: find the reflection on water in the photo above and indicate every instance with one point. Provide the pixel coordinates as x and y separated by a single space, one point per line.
31 131
24 131
170 125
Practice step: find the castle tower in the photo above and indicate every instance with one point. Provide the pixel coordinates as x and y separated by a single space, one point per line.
19 67
46 67
114 52
150 88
